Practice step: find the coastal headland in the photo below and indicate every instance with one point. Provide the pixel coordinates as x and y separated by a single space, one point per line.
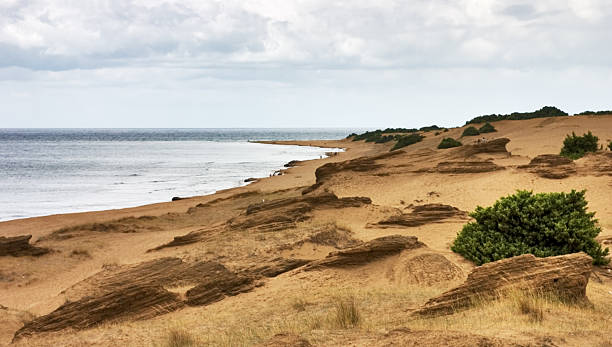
352 249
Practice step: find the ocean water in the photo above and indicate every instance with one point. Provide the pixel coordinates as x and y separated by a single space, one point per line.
49 171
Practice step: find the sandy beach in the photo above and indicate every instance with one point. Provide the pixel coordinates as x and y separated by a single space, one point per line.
260 231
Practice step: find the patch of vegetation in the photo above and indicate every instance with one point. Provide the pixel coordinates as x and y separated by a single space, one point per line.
470 131
373 136
430 128
487 128
610 145
179 338
347 313
408 140
575 147
546 111
449 143
544 224
594 113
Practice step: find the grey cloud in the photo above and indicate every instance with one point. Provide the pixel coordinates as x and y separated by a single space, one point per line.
520 11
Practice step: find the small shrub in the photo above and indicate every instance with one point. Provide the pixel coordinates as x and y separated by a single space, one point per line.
403 141
430 128
179 338
545 224
487 128
347 313
470 131
445 130
610 145
575 147
448 143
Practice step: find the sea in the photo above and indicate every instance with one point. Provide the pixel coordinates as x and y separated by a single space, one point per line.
51 171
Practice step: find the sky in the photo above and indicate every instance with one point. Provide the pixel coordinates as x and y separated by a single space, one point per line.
298 63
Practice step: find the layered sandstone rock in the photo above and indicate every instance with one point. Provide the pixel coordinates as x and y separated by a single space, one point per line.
551 166
424 214
565 276
367 252
133 302
282 214
19 246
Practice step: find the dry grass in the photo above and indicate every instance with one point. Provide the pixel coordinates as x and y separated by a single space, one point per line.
347 313
179 337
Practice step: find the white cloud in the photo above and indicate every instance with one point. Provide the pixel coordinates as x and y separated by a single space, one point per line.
238 48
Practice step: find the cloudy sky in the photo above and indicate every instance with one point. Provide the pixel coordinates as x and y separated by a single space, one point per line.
298 63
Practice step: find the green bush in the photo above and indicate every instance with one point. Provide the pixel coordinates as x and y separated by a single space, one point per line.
403 141
575 147
610 145
470 131
545 224
487 128
449 143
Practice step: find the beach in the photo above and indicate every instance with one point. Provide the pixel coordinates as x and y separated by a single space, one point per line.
347 199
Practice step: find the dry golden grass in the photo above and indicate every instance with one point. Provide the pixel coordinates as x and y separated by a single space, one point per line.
319 314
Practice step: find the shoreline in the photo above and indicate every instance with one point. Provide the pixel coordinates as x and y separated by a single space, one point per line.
39 226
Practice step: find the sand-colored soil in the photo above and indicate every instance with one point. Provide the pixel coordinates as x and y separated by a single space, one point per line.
258 237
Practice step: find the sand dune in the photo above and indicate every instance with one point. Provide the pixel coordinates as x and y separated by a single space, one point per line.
278 256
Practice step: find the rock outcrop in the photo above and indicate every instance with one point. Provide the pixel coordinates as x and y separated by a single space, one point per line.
19 246
363 164
220 283
367 252
496 146
133 302
284 213
551 166
460 167
424 214
274 267
565 276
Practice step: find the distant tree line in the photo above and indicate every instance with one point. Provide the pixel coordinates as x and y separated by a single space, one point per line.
546 111
594 113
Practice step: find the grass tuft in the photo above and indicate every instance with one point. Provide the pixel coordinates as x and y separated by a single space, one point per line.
347 313
177 337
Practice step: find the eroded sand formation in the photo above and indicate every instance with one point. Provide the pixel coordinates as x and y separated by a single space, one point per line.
267 263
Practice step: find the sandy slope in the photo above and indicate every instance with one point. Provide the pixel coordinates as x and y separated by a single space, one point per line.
298 301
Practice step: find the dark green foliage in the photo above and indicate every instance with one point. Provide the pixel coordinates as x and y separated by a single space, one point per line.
470 131
384 139
610 145
430 128
449 143
403 141
594 113
487 128
545 224
445 130
546 111
575 147
376 135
